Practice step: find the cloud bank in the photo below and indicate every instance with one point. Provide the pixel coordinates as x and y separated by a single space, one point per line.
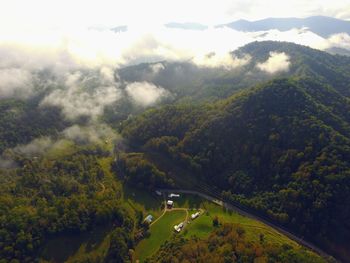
36 147
277 62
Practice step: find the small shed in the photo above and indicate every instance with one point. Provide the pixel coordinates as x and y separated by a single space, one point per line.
170 203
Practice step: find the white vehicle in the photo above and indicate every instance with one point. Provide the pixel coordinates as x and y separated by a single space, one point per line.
179 227
195 215
173 195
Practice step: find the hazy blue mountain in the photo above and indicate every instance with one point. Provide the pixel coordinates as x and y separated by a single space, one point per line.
119 29
320 25
339 51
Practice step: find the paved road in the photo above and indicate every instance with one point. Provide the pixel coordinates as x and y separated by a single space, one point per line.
232 207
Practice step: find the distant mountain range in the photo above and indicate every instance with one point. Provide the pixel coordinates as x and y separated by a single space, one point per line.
320 25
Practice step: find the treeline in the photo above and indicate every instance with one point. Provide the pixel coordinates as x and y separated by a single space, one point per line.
22 121
228 243
45 198
282 148
138 172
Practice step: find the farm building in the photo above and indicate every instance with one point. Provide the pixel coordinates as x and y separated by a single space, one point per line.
173 195
159 193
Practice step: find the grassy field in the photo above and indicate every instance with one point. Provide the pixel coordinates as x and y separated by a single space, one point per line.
161 231
202 226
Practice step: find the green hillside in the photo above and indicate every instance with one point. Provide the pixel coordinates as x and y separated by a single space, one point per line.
282 148
186 80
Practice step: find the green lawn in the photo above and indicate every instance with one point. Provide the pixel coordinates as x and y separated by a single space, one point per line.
161 231
202 226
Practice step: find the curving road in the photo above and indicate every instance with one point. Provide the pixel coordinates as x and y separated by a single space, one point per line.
232 207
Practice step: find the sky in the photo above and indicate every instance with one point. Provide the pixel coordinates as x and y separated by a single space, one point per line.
28 14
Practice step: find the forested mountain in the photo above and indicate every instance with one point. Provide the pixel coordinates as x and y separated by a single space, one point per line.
282 148
187 79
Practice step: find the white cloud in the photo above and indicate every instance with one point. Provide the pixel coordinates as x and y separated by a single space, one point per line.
157 67
145 93
338 40
277 62
84 95
15 82
226 61
93 133
35 147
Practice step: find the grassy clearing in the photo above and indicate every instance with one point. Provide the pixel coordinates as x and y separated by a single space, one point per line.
161 231
203 226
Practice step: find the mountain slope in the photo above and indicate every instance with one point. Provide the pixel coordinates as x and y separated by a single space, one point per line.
185 79
320 25
281 148
22 121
